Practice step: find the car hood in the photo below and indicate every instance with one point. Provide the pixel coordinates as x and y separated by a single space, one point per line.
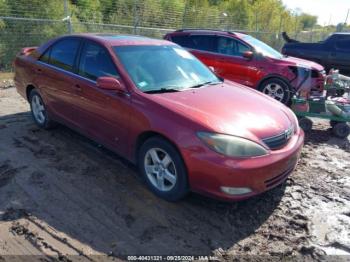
229 108
300 63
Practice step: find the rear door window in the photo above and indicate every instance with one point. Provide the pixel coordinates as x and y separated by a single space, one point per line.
202 42
95 61
63 53
46 56
197 42
182 40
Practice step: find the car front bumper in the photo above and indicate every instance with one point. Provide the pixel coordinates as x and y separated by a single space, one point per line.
208 171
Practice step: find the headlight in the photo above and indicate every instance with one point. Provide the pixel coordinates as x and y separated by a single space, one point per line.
300 70
295 122
232 145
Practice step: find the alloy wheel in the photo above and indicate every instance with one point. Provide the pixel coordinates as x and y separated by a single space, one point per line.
38 109
275 91
160 169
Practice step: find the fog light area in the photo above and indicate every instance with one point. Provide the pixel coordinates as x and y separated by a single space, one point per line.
236 190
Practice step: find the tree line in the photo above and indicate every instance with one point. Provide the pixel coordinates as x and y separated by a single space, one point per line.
46 19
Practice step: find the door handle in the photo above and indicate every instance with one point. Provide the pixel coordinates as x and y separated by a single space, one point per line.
39 71
333 54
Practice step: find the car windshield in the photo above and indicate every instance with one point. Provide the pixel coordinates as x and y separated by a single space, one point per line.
262 48
164 68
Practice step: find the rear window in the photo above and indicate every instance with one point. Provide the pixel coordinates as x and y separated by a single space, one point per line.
198 42
63 53
46 56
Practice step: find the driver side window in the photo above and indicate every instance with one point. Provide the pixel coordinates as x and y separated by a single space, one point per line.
230 46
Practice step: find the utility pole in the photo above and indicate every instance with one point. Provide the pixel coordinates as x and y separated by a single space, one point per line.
67 17
346 19
330 20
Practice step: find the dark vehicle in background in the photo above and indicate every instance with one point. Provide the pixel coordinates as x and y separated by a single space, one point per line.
246 60
334 52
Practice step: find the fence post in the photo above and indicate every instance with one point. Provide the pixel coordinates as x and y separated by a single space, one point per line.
67 17
311 35
136 18
184 14
280 31
296 26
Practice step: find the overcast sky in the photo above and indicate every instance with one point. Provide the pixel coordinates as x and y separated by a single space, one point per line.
327 10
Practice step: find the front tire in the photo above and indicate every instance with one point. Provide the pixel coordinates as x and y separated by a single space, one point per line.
163 169
277 89
38 110
305 124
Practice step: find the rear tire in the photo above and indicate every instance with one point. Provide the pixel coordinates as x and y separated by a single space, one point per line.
39 112
277 89
341 130
163 169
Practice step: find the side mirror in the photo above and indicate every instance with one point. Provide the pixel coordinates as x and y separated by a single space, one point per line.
248 55
110 83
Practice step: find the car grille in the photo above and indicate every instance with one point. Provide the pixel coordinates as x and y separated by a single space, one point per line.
276 142
278 179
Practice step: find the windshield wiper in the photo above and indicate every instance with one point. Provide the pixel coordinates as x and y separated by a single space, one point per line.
162 90
206 83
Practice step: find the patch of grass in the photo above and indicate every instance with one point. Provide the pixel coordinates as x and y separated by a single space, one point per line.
6 76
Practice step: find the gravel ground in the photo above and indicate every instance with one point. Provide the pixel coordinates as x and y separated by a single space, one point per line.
63 195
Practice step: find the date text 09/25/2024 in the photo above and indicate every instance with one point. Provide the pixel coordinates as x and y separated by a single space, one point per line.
171 258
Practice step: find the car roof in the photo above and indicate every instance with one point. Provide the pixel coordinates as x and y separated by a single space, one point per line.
122 40
341 33
209 31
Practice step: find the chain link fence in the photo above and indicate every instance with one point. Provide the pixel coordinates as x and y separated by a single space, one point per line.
29 23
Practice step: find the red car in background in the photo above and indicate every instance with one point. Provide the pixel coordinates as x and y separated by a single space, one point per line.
158 106
246 60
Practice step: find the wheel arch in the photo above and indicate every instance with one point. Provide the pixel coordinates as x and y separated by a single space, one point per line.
183 187
144 136
29 89
268 77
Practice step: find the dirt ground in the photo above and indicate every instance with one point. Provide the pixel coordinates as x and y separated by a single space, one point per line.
64 196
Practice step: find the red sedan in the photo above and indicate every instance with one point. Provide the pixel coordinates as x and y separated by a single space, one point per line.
158 106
